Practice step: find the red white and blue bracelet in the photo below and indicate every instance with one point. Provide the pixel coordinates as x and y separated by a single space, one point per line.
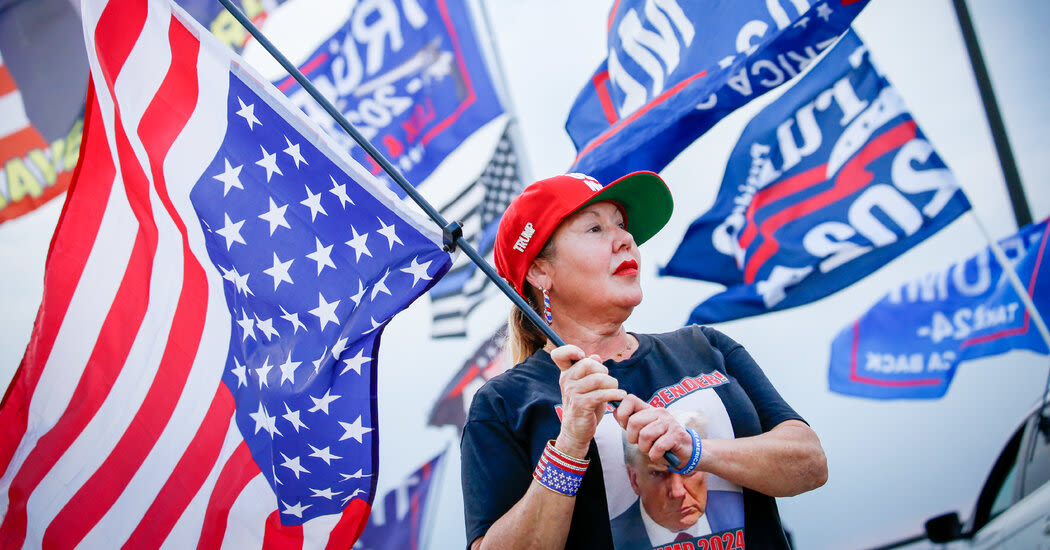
560 472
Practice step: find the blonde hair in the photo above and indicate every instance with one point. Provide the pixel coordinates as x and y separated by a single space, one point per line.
523 337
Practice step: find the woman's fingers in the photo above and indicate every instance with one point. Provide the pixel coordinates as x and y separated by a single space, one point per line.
566 356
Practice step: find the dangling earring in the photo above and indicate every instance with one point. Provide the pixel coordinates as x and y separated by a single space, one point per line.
547 305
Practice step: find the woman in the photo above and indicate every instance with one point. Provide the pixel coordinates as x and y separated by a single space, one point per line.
542 454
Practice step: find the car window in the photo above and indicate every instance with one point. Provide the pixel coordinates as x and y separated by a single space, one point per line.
1037 469
999 491
1005 497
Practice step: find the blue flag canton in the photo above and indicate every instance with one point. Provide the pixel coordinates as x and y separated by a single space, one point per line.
411 78
314 266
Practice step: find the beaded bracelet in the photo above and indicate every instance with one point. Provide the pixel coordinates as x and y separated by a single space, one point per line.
559 472
694 459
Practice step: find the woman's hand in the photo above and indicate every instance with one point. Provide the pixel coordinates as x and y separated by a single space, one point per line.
654 430
586 388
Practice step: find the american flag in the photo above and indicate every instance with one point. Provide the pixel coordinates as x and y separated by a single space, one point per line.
399 521
488 361
479 207
202 367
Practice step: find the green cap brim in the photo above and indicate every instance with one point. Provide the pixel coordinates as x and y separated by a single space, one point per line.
646 202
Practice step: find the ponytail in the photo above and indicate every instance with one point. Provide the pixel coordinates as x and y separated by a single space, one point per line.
523 337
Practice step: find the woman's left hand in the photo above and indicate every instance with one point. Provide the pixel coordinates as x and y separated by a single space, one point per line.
654 430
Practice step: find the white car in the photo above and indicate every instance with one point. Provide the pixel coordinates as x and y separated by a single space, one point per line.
1013 509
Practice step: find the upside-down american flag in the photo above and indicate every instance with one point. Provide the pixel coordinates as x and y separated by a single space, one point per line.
201 371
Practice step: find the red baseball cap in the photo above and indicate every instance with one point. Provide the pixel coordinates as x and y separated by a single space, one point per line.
533 216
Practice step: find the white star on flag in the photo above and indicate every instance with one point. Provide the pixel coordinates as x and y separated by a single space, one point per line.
358 244
269 162
292 318
324 454
323 256
325 311
239 371
293 151
288 369
230 177
323 403
354 430
380 286
279 272
247 112
313 202
275 216
293 417
232 232
296 510
388 232
266 327
262 372
293 465
418 271
339 190
354 363
327 493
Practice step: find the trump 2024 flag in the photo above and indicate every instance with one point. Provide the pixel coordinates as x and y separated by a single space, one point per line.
202 368
826 184
675 68
908 345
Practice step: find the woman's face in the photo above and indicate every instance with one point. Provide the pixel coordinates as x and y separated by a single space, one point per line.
595 262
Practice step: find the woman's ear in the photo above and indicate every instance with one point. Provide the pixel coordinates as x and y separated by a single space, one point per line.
539 274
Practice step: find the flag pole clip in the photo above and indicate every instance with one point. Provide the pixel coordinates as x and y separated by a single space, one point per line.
451 234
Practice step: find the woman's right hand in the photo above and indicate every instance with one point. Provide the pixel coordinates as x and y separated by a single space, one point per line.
586 388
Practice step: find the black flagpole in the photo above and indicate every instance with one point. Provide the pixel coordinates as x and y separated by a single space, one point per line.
453 232
995 118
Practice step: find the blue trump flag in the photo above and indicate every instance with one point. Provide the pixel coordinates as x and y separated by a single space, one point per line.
909 344
203 367
409 75
827 184
398 524
675 69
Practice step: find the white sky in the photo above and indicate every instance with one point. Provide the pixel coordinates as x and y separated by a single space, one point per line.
892 464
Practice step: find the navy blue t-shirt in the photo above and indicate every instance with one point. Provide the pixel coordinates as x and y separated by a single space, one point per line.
692 369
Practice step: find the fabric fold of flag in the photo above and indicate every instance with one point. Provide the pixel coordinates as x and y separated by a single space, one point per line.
675 69
202 368
826 184
909 344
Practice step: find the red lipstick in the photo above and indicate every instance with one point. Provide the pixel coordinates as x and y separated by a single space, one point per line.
628 267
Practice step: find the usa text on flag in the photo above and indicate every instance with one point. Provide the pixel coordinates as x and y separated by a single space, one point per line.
827 184
909 343
409 75
676 68
202 368
399 520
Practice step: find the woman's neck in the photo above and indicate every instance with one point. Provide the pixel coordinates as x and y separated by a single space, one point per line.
607 340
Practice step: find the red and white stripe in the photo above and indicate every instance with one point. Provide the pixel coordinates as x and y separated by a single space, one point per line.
117 429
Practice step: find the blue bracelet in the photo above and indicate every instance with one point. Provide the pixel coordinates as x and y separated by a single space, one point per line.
694 459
